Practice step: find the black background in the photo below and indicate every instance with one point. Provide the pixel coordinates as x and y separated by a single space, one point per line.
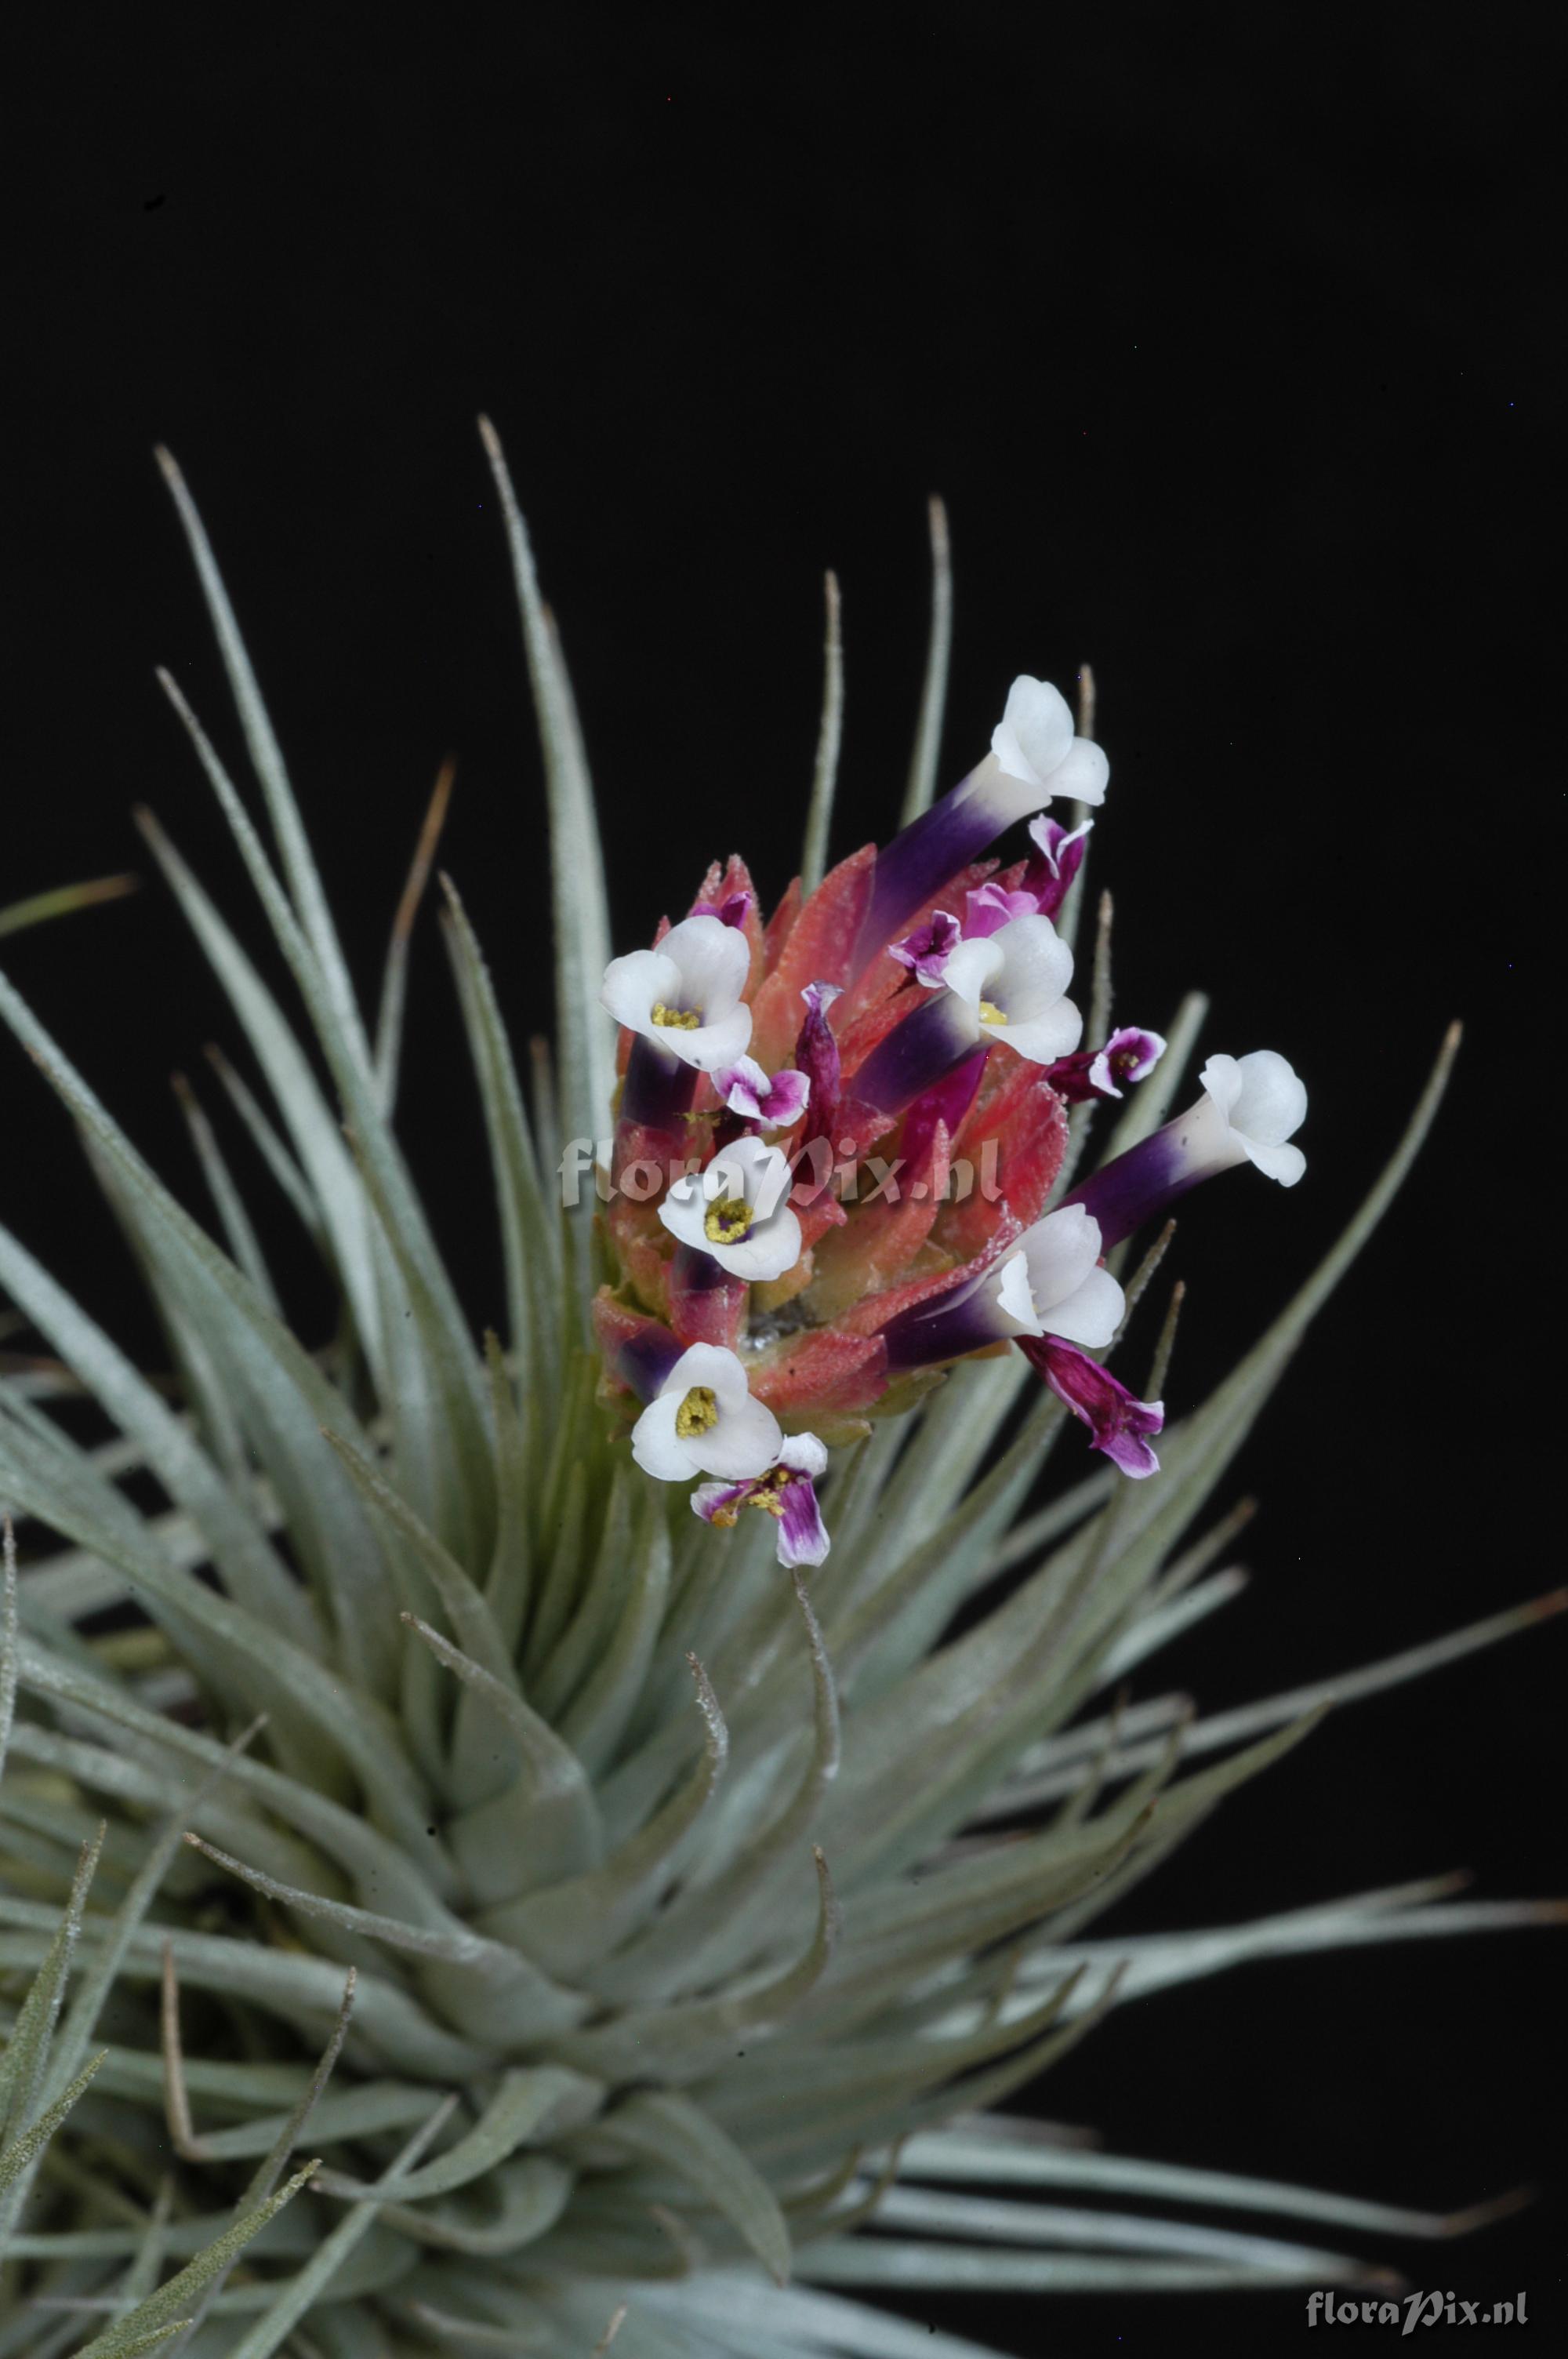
1228 336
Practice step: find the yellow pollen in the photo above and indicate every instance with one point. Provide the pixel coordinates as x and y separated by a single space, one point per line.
769 1492
728 1222
676 1019
698 1413
991 1013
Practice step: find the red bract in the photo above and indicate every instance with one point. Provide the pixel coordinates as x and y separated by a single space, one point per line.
893 1208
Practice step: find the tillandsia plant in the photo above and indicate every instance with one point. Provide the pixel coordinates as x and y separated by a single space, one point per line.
457 1896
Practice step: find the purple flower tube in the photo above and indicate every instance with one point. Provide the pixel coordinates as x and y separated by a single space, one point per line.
917 1053
658 1088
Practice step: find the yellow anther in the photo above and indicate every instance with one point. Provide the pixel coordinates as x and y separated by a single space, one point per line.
769 1492
698 1413
676 1019
991 1013
727 1222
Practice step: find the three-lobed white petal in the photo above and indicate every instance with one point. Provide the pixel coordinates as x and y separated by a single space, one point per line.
1034 742
746 1172
1053 1284
1014 980
699 969
1263 1101
743 1441
1034 736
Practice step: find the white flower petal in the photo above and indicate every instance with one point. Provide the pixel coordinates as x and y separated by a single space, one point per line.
745 1442
1045 1037
656 1445
972 966
803 1454
633 984
1035 734
1284 1163
1015 1295
1084 775
710 1044
1060 1251
1272 1101
1091 1314
683 1211
772 1247
713 1365
714 960
762 1171
1222 1079
1036 967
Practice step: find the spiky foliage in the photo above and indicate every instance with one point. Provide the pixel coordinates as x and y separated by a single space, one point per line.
612 1926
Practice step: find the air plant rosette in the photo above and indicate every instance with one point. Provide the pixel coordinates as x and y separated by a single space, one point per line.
518 1845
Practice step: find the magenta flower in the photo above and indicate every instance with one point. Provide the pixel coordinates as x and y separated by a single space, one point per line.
1129 1055
731 911
777 1103
992 907
927 950
785 1492
1119 1423
1060 855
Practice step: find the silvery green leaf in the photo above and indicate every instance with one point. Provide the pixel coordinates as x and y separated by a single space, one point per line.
681 2137
921 787
577 869
305 883
825 775
530 1237
164 2310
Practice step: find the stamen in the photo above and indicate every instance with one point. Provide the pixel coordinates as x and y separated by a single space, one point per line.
698 1413
768 1493
728 1222
676 1019
991 1013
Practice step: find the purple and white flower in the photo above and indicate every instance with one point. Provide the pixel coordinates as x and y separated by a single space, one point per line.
1014 981
1118 1422
1049 1284
1255 1105
737 1210
928 948
785 1492
1249 1108
775 1103
1050 1297
1129 1055
685 996
1034 756
1053 1284
1033 742
704 1420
